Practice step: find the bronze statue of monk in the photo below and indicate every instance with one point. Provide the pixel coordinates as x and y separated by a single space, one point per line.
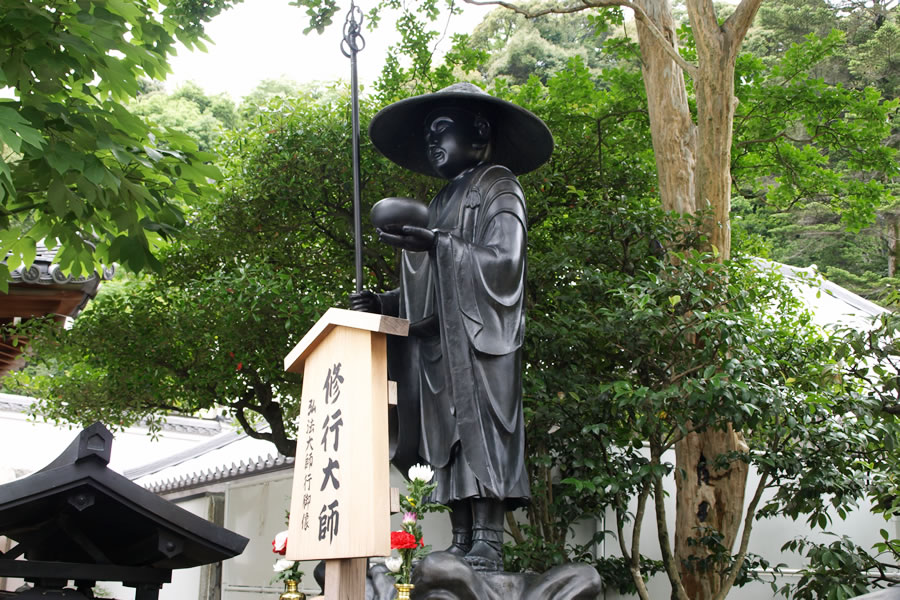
462 287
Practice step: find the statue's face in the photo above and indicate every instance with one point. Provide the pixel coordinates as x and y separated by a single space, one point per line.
454 142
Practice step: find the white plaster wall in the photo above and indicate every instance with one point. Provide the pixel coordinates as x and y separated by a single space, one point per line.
186 582
256 508
27 445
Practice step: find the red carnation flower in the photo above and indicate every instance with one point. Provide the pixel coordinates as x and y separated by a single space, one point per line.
402 540
279 544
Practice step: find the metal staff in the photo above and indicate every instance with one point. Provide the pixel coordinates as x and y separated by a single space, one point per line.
352 43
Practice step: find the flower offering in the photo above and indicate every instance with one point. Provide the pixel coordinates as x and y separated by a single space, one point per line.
409 541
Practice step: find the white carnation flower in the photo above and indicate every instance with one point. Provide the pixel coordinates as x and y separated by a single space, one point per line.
421 472
393 563
282 564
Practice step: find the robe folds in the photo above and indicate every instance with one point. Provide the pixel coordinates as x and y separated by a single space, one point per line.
461 379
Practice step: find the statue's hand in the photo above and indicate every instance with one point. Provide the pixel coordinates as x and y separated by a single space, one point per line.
410 237
365 301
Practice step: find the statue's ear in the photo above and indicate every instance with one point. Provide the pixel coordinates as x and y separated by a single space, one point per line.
483 128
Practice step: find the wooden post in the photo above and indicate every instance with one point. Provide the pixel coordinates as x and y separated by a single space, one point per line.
146 591
345 579
340 502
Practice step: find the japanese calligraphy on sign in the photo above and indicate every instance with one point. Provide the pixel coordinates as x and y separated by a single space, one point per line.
340 498
329 516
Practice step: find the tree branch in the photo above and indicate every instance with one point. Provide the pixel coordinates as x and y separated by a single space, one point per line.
745 538
778 136
675 378
22 208
662 529
739 22
239 407
635 534
514 529
635 559
282 444
671 439
639 14
704 23
891 409
620 529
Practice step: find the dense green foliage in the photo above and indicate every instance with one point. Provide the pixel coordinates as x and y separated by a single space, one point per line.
849 232
606 327
517 48
620 381
610 364
868 56
618 291
825 141
810 132
77 168
189 110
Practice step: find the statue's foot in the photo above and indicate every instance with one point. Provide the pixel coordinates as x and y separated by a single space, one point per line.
458 551
487 550
462 544
484 556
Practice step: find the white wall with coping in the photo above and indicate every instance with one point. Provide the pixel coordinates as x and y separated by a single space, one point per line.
28 445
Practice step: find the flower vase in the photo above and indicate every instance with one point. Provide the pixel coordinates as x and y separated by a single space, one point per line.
290 591
403 590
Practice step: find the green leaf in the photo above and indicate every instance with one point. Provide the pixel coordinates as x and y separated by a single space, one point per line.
14 129
56 197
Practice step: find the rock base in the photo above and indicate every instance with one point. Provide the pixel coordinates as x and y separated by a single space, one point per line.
447 577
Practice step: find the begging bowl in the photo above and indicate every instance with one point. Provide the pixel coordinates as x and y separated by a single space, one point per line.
390 214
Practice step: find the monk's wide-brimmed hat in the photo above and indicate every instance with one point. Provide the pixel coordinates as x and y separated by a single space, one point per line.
520 140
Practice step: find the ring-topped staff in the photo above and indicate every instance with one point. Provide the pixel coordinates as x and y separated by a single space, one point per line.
462 286
352 43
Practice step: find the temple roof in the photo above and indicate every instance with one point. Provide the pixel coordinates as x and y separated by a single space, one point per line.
77 511
229 456
42 290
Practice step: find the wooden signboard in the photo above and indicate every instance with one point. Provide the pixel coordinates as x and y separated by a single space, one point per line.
340 503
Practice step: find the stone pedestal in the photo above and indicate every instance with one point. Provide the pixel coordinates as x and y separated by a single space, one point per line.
443 575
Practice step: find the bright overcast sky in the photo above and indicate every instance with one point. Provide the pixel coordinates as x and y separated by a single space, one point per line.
263 39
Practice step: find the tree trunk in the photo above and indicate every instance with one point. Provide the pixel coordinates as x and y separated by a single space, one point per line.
706 498
694 165
714 90
717 50
672 130
715 114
